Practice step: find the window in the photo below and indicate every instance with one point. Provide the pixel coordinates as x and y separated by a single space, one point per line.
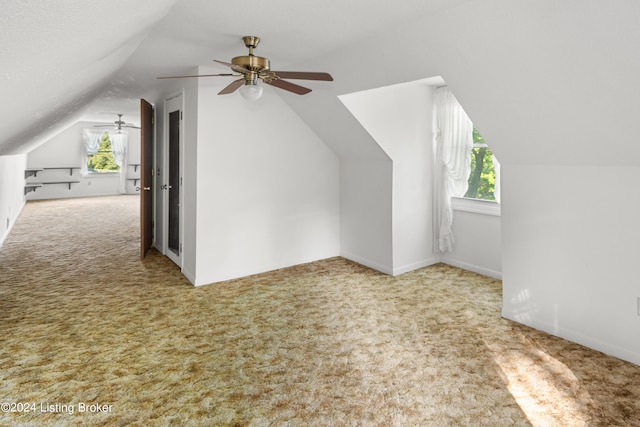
103 160
482 179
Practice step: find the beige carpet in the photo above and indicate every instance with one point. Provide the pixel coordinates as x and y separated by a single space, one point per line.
329 343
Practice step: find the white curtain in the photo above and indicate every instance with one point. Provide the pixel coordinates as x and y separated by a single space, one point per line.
496 187
119 142
453 143
91 139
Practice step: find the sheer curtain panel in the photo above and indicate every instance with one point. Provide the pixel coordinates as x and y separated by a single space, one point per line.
91 139
452 164
119 142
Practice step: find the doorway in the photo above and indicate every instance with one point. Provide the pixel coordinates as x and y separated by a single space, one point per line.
172 188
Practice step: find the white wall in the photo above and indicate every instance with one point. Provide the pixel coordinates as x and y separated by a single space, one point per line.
366 171
65 150
478 243
366 234
11 191
268 188
570 264
399 118
190 180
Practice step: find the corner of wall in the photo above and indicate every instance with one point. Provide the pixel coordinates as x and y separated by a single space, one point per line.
471 267
11 192
416 265
368 263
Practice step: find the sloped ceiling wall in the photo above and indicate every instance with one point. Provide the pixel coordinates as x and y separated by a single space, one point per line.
58 56
61 57
566 69
557 76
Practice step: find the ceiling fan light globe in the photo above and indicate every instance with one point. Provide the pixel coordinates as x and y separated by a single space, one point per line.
251 92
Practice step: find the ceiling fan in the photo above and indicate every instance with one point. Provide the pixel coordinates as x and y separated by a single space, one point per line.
119 124
251 68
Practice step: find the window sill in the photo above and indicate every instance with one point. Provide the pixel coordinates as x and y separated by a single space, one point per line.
485 207
93 174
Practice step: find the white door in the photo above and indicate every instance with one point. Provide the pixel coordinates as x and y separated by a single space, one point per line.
172 188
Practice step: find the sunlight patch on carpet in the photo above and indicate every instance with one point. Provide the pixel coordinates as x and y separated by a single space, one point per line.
546 390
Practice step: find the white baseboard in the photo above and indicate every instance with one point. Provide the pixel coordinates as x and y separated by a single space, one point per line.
368 263
4 236
476 269
424 263
416 265
580 338
190 277
391 271
12 221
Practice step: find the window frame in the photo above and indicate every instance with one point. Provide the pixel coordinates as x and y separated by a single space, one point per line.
106 173
481 206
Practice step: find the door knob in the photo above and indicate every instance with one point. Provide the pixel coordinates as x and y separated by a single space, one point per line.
146 188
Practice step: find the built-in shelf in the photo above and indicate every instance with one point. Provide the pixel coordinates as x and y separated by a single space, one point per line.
33 186
31 172
71 168
53 182
133 178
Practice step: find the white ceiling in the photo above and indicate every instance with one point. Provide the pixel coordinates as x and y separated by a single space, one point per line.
66 60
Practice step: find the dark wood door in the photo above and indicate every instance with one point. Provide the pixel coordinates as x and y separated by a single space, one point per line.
146 177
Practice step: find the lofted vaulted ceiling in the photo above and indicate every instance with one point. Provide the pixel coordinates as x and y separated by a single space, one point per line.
566 69
66 60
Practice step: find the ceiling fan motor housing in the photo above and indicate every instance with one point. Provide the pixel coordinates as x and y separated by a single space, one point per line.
252 62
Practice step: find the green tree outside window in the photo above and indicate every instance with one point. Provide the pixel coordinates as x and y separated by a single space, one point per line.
482 179
103 160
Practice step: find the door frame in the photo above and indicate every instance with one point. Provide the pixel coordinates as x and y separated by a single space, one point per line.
173 102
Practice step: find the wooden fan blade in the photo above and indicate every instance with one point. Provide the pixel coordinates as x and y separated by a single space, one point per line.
291 87
234 67
232 87
198 75
304 75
